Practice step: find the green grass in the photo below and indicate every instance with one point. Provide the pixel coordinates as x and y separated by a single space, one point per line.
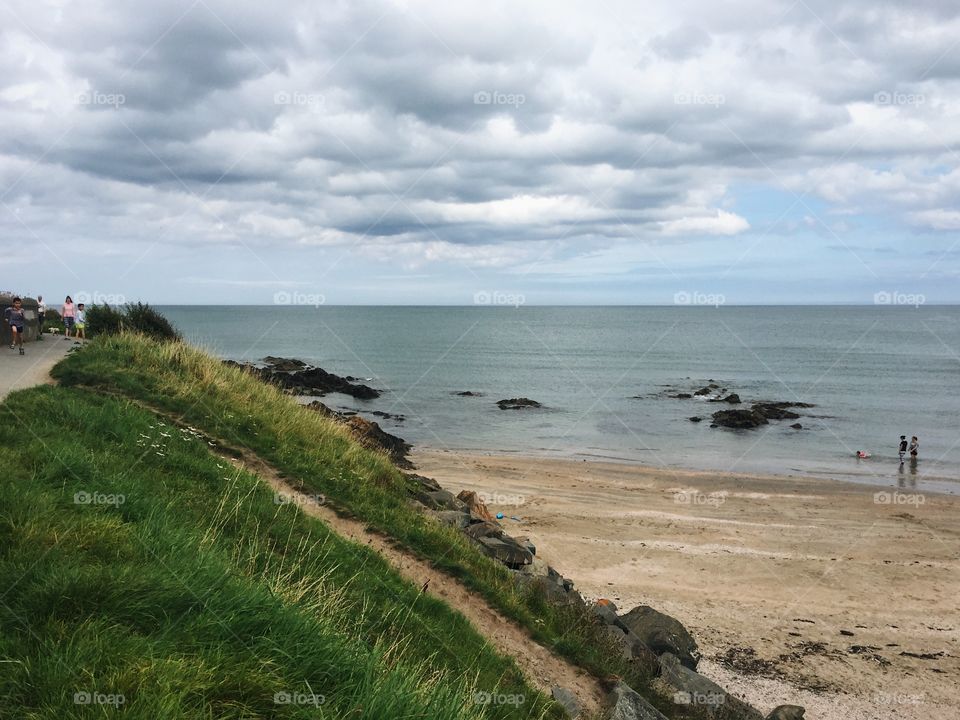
198 596
319 456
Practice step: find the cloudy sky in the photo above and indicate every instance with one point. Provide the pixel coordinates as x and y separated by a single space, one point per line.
197 151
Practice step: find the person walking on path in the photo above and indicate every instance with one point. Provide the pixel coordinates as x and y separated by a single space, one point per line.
903 447
81 322
41 311
69 314
14 318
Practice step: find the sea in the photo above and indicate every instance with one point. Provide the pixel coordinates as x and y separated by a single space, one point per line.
604 376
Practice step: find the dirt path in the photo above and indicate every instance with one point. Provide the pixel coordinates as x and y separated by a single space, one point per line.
18 372
540 666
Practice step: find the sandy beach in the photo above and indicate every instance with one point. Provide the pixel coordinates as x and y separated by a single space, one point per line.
819 593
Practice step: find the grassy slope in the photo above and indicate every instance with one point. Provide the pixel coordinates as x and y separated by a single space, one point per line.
319 456
199 596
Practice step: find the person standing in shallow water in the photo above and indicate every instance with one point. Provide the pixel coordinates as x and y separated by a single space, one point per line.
914 448
903 447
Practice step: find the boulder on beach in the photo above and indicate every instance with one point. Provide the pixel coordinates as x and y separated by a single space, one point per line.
693 688
628 704
786 712
662 634
739 419
477 507
518 404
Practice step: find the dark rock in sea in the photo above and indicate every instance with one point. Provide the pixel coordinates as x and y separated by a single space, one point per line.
786 712
284 364
732 398
628 704
298 378
388 416
739 419
661 633
695 419
468 393
797 426
703 391
518 404
775 411
682 396
711 699
566 699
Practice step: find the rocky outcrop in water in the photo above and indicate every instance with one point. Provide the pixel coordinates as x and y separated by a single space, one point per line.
518 404
298 378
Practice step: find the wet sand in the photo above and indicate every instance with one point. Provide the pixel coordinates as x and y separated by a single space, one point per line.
815 592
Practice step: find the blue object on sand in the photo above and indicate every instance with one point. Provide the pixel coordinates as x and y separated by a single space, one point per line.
499 516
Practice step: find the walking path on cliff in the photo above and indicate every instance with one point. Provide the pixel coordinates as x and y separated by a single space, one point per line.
18 372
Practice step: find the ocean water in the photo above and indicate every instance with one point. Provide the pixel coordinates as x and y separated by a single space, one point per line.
602 374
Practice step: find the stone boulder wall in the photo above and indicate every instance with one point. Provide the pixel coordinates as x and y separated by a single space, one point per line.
627 704
468 514
475 505
661 634
690 688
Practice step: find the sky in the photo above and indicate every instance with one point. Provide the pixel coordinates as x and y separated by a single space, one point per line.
665 152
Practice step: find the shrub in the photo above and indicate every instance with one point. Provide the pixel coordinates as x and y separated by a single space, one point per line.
103 320
137 318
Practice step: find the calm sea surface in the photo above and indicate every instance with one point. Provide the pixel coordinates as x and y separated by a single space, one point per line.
603 373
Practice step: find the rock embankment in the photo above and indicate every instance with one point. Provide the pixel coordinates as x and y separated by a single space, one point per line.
369 434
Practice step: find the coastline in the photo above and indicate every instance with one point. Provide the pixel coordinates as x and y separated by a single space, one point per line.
797 589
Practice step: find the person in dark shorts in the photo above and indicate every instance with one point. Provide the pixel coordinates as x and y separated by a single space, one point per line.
69 313
41 311
914 447
903 447
15 319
